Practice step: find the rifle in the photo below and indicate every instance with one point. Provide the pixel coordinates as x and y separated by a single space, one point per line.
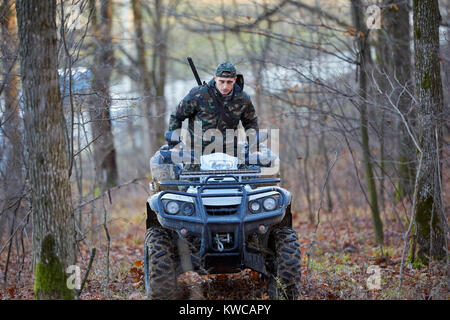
194 70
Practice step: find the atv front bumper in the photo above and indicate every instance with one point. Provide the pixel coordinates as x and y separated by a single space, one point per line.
223 237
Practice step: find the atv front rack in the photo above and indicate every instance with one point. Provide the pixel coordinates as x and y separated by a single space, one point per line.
206 175
209 181
220 172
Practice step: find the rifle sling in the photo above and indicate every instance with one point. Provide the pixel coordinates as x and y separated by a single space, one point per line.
222 111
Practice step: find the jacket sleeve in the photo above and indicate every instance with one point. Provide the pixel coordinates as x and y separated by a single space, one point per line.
186 109
248 117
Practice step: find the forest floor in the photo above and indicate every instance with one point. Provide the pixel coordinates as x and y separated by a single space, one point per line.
339 258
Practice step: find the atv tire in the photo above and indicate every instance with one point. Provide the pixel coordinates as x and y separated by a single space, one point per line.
284 282
159 264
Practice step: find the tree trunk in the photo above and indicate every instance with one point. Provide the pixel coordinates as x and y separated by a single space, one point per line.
382 62
364 58
395 21
326 162
13 181
306 175
153 78
53 219
100 112
306 159
429 221
144 74
159 70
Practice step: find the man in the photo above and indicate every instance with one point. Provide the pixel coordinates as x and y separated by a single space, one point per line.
219 104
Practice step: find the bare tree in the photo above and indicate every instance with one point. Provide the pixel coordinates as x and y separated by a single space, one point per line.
53 219
364 63
13 176
397 58
144 79
150 67
103 145
161 29
429 217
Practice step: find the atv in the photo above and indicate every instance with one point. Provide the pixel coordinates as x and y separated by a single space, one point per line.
222 218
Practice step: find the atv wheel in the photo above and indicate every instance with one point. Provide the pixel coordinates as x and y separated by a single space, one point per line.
159 264
285 280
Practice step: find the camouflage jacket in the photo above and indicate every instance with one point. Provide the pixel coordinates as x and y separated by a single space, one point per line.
198 105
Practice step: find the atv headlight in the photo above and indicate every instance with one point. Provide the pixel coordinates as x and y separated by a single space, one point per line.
187 209
269 204
254 206
172 207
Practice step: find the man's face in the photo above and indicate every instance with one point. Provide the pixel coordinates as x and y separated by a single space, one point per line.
224 85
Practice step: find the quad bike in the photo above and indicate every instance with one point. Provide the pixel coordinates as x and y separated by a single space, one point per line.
222 218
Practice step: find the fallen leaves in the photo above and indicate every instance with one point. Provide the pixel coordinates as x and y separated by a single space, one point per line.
11 292
349 248
334 266
381 261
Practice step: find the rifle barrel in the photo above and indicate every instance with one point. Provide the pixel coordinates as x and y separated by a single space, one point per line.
194 70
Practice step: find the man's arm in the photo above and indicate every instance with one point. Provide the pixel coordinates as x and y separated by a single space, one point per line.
186 109
248 117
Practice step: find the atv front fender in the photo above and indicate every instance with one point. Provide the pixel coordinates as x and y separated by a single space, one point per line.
152 217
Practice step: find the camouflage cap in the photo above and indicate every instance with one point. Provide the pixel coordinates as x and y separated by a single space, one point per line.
226 70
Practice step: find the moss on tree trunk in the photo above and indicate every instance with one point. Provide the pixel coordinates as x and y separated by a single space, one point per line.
51 279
